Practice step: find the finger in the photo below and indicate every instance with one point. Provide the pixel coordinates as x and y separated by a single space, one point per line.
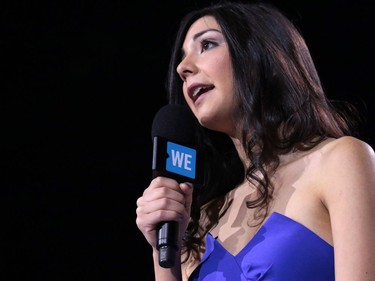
163 188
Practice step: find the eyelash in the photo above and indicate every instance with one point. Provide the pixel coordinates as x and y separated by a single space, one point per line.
207 44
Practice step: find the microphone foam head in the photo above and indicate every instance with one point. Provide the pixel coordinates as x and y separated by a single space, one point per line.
174 122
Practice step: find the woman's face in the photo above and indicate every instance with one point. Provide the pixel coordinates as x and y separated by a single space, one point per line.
207 75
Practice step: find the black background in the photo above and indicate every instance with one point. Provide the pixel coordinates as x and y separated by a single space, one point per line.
81 83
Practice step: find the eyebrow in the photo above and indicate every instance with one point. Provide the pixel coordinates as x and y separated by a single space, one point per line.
199 34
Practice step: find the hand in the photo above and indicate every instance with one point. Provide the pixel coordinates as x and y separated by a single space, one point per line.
163 200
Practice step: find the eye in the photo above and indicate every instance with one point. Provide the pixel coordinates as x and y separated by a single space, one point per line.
207 44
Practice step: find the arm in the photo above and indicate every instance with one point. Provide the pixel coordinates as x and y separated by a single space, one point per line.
164 200
349 195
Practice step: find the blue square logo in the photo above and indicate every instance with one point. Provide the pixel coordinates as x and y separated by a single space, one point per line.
181 160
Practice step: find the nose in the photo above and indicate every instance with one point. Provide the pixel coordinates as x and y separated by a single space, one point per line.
186 68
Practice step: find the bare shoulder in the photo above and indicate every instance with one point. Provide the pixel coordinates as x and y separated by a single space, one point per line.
335 156
347 168
339 151
351 143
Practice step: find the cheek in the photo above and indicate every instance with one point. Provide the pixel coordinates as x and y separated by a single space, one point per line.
223 68
224 74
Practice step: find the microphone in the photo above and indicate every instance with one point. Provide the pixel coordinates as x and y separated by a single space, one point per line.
174 156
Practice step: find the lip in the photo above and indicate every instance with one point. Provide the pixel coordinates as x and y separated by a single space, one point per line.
200 87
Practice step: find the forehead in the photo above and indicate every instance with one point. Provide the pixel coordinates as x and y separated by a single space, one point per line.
201 24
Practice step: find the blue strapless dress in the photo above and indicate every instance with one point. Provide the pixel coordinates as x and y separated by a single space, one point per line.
281 250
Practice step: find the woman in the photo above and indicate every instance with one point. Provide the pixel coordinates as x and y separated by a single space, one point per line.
292 195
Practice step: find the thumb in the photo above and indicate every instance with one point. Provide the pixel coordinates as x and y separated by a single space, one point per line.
187 189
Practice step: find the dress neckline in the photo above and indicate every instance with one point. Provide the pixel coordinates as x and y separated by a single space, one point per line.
272 217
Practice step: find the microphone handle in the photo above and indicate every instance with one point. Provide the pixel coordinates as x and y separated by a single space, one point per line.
167 243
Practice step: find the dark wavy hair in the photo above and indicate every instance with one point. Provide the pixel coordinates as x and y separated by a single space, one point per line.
282 107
